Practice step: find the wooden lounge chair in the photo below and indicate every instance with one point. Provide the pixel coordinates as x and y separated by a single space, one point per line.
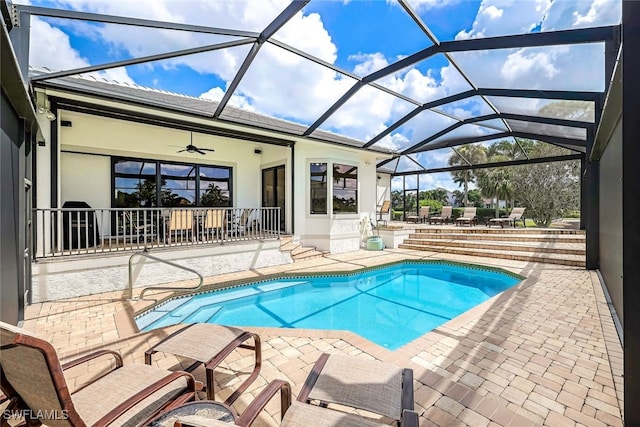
423 215
384 210
468 216
33 378
517 214
347 382
444 217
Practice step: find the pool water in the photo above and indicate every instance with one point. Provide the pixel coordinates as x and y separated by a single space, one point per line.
390 306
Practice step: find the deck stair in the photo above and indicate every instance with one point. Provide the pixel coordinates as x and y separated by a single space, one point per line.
554 246
298 252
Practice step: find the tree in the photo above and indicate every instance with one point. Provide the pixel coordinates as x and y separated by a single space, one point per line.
214 196
473 154
547 190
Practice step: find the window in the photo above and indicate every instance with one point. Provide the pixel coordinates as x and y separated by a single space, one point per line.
178 185
136 184
214 186
318 188
345 189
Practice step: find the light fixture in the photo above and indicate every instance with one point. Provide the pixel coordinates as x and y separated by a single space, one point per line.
46 113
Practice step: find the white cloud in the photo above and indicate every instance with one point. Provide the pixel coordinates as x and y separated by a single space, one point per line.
63 57
420 5
492 12
522 65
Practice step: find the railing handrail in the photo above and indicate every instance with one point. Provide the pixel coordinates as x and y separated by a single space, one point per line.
78 231
145 254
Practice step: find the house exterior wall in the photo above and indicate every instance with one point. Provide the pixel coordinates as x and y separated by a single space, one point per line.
331 232
88 144
611 232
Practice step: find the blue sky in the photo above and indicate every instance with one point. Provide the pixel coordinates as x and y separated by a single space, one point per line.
357 36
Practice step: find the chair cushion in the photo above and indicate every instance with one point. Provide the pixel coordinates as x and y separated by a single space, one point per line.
101 396
305 415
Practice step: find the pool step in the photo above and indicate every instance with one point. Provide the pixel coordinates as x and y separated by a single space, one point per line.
561 246
297 251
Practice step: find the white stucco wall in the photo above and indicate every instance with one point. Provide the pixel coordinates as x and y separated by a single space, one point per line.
88 145
332 232
102 135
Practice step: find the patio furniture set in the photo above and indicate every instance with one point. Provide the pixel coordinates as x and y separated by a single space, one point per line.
32 380
468 217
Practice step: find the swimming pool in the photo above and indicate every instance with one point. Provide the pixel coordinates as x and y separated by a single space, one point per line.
390 306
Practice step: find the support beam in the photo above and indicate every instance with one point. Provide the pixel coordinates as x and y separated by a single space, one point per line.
20 35
591 191
630 209
490 165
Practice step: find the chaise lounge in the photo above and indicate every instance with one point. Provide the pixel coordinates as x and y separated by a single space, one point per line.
517 214
33 379
444 217
422 216
468 217
337 383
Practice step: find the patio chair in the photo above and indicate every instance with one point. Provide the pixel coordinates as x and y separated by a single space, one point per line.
517 214
368 385
31 375
180 224
210 344
468 216
213 223
240 222
384 210
422 216
136 226
444 217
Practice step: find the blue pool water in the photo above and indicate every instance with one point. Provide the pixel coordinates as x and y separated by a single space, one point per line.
389 306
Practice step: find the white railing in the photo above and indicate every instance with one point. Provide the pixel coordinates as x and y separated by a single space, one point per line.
78 231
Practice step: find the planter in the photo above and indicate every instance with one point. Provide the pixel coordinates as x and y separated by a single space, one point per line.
375 244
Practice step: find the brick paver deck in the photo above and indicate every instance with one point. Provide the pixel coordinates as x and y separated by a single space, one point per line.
543 353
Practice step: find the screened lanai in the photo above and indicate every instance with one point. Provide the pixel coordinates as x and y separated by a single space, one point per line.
412 82
420 93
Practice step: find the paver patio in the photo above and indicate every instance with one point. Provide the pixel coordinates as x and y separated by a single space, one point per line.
543 353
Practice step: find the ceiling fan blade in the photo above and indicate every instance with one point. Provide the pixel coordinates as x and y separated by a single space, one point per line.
180 151
207 149
200 151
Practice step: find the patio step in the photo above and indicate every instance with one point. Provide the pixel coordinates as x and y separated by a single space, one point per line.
555 246
509 237
550 258
548 246
481 230
297 251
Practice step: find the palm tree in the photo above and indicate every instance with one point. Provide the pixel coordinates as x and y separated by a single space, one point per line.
474 154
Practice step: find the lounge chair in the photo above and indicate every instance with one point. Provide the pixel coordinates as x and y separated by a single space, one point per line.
32 377
517 214
468 217
368 385
210 344
423 215
384 210
444 217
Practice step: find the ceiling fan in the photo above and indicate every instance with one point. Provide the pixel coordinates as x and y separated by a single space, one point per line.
190 148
